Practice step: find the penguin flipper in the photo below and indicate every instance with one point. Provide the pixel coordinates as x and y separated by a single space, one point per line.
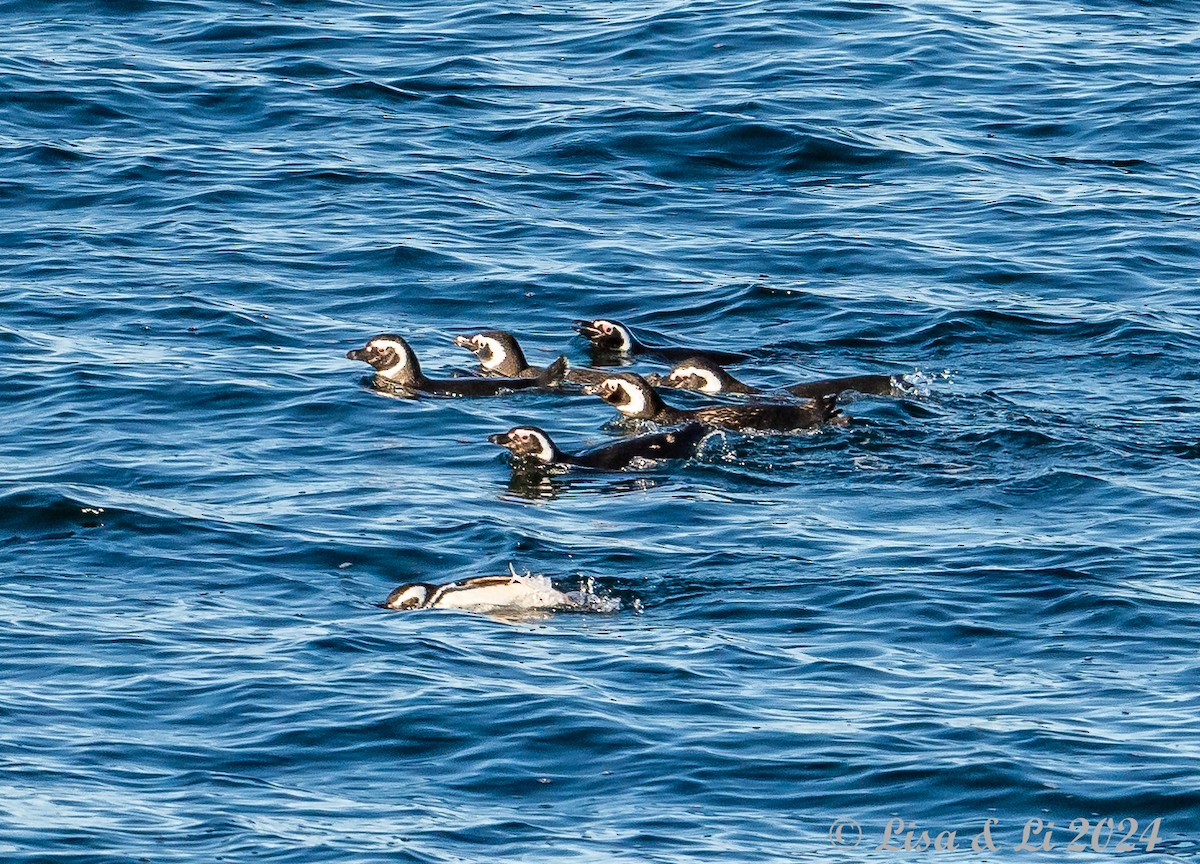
554 374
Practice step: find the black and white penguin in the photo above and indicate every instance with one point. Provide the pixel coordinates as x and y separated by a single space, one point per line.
698 373
481 593
396 368
492 593
531 444
499 353
634 398
612 337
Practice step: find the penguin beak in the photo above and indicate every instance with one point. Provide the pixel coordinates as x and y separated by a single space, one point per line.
500 438
360 354
464 342
598 390
586 329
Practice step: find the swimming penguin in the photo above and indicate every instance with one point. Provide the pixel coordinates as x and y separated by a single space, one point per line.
500 354
492 593
698 373
633 397
613 337
396 367
529 443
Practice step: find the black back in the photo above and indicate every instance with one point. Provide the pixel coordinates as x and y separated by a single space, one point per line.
766 416
673 444
675 355
550 377
875 385
605 346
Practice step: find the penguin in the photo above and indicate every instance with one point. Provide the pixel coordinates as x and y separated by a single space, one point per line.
612 337
529 444
500 354
698 373
633 397
490 593
396 368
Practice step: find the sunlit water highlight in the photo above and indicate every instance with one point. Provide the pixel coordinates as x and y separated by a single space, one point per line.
978 600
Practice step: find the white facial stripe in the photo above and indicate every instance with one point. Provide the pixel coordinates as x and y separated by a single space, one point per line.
413 598
499 355
532 437
708 381
546 453
637 399
399 350
626 337
388 343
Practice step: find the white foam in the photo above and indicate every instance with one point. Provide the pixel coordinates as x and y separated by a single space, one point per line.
528 593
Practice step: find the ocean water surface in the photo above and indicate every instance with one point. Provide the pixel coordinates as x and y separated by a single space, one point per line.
978 601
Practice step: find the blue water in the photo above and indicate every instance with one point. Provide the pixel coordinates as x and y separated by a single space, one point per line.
978 601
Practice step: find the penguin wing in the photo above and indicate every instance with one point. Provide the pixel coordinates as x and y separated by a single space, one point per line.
555 373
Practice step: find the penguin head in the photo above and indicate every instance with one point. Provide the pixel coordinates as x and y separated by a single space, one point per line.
497 351
527 442
606 335
630 394
390 356
413 596
697 373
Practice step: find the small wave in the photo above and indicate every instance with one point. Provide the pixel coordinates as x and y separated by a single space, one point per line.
46 155
398 256
371 91
675 145
40 511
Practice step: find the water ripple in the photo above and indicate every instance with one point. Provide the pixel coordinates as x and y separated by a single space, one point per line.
976 599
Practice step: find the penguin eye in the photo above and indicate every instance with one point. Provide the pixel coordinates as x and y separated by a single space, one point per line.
606 328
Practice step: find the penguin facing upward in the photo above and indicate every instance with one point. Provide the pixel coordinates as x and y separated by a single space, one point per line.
396 368
613 337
